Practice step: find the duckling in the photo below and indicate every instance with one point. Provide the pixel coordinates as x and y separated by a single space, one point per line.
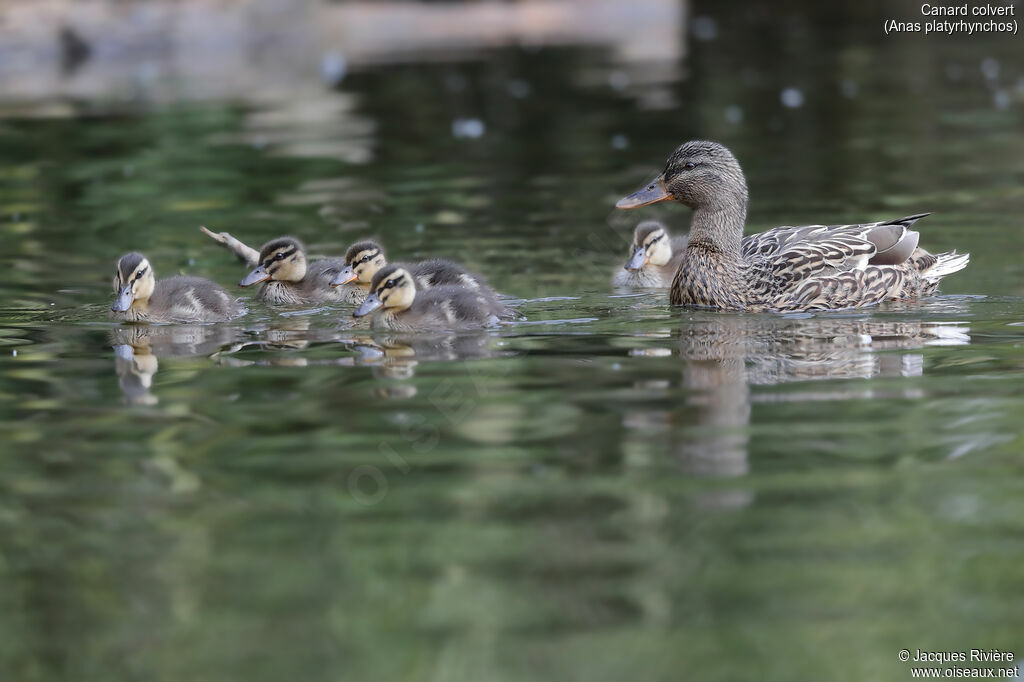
654 257
289 280
141 298
364 260
815 267
441 307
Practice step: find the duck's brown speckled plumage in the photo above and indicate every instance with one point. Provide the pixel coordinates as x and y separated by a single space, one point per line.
813 267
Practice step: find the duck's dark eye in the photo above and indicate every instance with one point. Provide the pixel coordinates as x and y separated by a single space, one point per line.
689 165
279 256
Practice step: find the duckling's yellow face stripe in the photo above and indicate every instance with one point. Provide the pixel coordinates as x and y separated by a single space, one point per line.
397 291
366 263
284 264
133 281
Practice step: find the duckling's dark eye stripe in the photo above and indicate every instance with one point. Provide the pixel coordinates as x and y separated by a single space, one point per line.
394 282
282 254
369 256
140 273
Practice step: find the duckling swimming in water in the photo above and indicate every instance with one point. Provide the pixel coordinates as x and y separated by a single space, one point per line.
364 260
141 298
815 267
393 289
289 280
654 257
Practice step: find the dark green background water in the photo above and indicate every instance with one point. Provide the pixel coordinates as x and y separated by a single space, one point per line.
612 490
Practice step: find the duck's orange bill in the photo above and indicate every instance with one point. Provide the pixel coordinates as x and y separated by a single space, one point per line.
651 194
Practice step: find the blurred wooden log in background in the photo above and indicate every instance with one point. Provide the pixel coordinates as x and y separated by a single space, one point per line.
197 49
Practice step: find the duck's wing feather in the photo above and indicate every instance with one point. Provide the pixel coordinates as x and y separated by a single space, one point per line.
788 255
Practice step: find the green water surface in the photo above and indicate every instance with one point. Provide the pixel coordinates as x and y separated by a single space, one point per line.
611 489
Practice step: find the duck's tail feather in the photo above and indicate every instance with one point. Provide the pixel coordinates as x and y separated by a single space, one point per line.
946 264
907 221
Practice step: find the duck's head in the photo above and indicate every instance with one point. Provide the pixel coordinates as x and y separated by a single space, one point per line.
362 261
133 281
699 174
651 245
281 260
392 288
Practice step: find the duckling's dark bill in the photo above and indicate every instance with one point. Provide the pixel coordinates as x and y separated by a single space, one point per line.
371 303
258 275
638 259
346 275
651 194
123 301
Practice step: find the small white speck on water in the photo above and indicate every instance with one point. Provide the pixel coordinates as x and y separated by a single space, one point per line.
333 67
849 88
792 98
52 303
419 227
616 366
990 68
14 353
619 141
705 28
518 88
1001 99
468 128
734 115
618 80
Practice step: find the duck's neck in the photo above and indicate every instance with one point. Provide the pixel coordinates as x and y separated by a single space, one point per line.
718 228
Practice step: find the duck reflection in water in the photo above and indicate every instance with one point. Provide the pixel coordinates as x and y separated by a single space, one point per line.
396 356
138 347
724 355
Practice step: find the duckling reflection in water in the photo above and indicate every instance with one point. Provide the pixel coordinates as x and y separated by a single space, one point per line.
135 374
654 257
365 259
401 308
141 298
136 349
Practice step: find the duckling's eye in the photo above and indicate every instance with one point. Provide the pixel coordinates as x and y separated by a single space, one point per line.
689 165
279 256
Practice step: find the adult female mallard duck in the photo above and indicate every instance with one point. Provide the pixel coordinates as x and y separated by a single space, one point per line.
141 298
364 260
815 267
403 308
654 257
289 280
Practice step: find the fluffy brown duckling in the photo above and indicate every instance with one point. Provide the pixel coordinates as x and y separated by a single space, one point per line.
364 260
402 308
141 298
288 279
814 267
654 257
